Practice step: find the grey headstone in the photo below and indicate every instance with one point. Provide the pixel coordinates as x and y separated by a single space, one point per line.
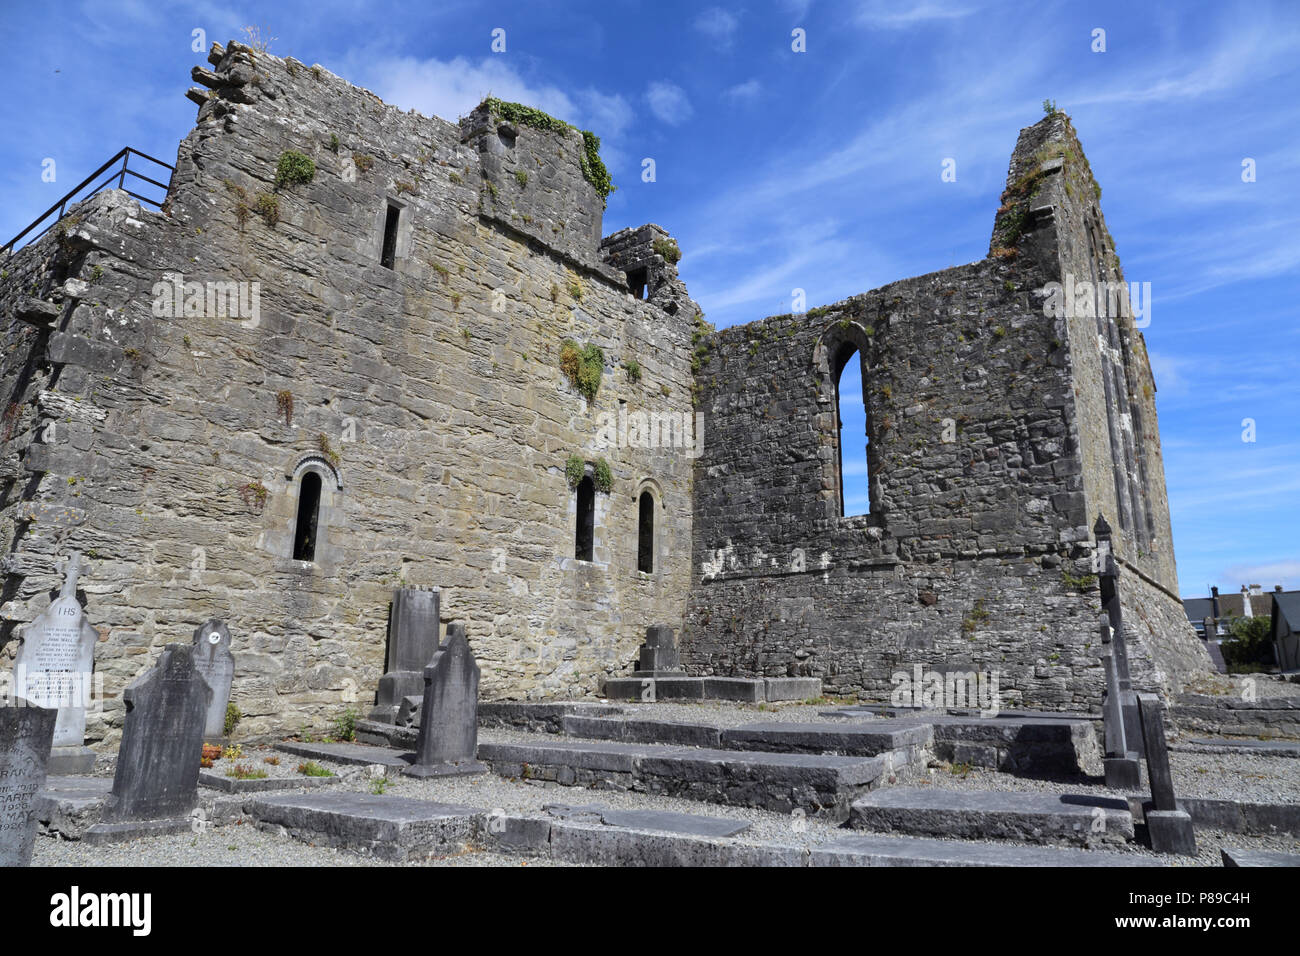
659 652
1169 828
212 659
448 737
26 734
412 642
55 663
162 740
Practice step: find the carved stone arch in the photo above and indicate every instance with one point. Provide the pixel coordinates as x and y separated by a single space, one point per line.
319 463
651 485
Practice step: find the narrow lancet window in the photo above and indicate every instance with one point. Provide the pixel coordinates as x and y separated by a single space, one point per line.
645 542
304 535
585 539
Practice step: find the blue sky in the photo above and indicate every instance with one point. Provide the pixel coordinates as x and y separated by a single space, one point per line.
820 170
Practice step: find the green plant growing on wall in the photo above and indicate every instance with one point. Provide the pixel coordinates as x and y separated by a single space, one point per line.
254 494
268 207
669 249
334 143
233 716
633 369
975 618
326 449
521 177
1079 582
284 404
574 469
294 169
1049 108
593 168
582 366
602 477
363 162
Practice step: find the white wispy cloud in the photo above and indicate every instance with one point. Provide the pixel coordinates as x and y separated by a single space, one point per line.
746 91
669 102
718 24
900 15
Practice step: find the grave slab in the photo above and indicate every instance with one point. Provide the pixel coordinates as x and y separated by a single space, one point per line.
362 755
1234 856
683 823
1081 819
26 737
215 781
390 828
886 850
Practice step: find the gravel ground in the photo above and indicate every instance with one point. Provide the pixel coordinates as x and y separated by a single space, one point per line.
1242 777
1265 685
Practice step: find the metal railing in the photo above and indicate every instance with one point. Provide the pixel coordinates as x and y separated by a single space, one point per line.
123 158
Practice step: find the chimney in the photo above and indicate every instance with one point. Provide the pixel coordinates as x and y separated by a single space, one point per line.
1245 602
1277 587
1256 589
1214 601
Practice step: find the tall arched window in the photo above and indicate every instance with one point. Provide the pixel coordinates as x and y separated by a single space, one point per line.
585 538
851 424
645 540
304 533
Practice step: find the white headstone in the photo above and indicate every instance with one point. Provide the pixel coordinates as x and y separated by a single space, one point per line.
213 660
56 658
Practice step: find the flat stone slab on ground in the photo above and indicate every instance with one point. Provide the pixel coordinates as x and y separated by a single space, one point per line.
685 823
355 754
1082 819
122 831
1265 748
1232 856
392 828
634 730
861 739
818 784
216 781
883 850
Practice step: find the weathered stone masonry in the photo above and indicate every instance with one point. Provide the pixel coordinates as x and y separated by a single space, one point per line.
429 401
447 423
977 553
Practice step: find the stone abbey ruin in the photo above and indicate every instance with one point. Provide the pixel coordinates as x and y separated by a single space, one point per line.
354 352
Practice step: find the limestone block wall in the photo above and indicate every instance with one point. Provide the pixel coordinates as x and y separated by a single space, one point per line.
171 449
990 455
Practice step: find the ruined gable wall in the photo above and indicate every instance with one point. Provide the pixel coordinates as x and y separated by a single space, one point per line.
978 552
960 565
451 421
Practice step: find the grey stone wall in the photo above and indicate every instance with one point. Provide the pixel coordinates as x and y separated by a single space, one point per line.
436 386
986 469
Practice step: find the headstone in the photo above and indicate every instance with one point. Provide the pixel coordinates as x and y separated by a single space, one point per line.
412 642
26 736
1169 828
212 659
54 669
1123 769
659 654
448 739
162 741
1110 602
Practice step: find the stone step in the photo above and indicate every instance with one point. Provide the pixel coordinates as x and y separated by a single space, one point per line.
363 755
390 828
1232 856
831 737
882 850
1082 820
591 844
691 824
817 785
1237 745
753 690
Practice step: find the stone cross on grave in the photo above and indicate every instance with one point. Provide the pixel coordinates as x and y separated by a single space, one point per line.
1108 575
1170 829
1123 770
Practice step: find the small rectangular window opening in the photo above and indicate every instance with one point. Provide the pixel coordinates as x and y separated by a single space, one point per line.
389 256
636 280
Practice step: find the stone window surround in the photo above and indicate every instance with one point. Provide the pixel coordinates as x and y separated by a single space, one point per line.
832 353
281 540
657 495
